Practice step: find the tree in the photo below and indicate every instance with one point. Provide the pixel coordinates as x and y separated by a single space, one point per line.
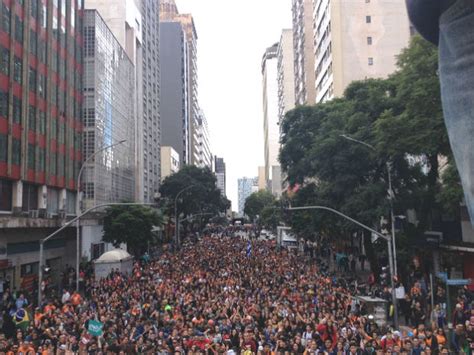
256 202
132 225
201 194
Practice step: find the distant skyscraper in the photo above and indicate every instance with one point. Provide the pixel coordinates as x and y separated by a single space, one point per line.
169 13
286 74
304 51
219 170
271 129
246 186
356 40
169 161
203 147
108 85
135 24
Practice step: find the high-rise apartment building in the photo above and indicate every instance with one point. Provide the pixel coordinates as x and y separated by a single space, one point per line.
109 83
355 40
271 129
203 146
135 25
169 13
174 93
40 132
169 161
219 171
303 45
286 74
246 186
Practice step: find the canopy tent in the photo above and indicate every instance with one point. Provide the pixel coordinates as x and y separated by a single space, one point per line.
114 260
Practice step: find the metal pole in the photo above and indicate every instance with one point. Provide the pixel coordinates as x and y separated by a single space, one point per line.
392 285
176 217
392 217
40 274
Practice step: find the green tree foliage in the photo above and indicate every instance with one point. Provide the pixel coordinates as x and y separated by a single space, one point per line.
400 118
201 196
256 202
132 225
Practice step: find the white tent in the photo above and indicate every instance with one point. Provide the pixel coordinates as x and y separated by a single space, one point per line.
117 259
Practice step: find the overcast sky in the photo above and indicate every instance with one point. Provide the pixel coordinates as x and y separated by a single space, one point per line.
232 37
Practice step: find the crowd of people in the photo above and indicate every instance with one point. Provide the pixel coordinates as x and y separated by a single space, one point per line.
219 295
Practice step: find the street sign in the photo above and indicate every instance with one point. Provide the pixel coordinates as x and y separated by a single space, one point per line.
458 282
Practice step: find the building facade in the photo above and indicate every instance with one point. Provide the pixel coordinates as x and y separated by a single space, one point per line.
109 82
175 112
246 186
135 25
219 171
40 132
169 13
271 129
203 146
286 74
169 161
303 44
355 40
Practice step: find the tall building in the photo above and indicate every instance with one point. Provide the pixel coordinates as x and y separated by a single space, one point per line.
219 170
135 25
40 133
175 121
169 13
286 74
303 45
246 186
355 40
109 82
203 146
271 129
169 161
262 184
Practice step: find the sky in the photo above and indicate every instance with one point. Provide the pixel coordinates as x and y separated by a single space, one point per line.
232 37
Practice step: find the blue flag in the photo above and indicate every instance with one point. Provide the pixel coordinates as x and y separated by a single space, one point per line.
249 249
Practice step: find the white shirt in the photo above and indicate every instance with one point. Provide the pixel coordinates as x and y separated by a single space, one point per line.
66 297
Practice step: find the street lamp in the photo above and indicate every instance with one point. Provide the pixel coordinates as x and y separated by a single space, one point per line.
391 195
384 237
78 205
67 224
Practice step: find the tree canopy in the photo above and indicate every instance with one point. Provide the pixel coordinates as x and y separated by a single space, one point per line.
256 202
132 225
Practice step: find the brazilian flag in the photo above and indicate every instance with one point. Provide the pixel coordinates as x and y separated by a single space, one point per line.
21 319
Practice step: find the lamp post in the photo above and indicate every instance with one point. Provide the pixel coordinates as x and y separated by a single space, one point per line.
384 237
388 166
78 206
176 217
67 224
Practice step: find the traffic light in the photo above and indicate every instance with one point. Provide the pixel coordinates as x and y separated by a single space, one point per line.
384 276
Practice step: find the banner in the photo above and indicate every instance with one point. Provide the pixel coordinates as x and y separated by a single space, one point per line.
95 328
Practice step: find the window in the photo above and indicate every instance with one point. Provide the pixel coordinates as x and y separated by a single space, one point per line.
3 104
32 79
18 29
41 159
53 200
16 110
42 122
52 164
34 8
3 147
29 269
33 42
5 19
32 118
42 50
31 156
16 151
4 60
29 198
42 85
61 133
6 189
54 124
368 19
369 41
371 61
17 69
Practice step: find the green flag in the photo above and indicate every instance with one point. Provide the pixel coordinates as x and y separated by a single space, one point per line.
95 328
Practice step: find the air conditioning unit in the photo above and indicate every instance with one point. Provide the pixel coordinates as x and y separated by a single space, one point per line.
62 215
49 215
33 214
